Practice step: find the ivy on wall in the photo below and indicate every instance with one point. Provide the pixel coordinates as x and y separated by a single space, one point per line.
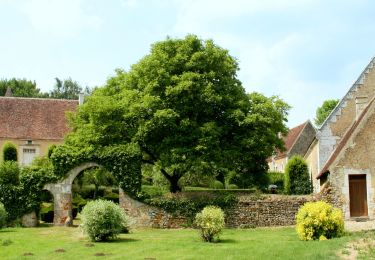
123 161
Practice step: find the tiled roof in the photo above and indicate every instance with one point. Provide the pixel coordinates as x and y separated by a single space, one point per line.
34 118
344 140
290 139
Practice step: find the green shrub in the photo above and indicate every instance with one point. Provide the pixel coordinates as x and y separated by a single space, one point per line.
319 220
103 220
9 173
217 185
297 178
3 216
23 196
188 205
210 221
276 178
9 152
232 187
51 148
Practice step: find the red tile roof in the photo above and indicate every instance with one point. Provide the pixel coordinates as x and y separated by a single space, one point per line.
34 118
290 139
344 140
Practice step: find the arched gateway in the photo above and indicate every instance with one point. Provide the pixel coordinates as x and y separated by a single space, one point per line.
62 195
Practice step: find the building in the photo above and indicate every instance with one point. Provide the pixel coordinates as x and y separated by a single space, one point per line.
297 142
344 150
33 124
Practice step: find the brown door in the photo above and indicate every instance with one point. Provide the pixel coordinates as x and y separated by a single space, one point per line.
358 195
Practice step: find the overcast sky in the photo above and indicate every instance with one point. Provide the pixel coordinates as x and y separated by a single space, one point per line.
305 51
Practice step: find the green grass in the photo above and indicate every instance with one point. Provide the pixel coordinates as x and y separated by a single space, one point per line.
260 243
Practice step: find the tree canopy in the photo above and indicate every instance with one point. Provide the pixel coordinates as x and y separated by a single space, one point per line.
324 110
184 108
67 89
21 88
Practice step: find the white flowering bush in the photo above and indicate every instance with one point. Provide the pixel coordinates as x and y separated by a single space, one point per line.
103 220
319 220
210 222
3 216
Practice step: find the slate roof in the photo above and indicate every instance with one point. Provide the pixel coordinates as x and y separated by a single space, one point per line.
290 140
345 140
34 118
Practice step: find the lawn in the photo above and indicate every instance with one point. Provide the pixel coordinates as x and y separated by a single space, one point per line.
259 243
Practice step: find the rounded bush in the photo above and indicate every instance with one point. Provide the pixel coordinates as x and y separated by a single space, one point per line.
3 216
9 152
103 220
210 221
319 220
217 185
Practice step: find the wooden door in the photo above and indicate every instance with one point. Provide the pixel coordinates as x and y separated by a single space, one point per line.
358 195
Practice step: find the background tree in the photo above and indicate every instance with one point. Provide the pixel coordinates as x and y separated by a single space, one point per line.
9 152
67 89
21 88
323 111
98 177
297 177
185 109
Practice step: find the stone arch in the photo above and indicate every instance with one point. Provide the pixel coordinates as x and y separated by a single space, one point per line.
62 195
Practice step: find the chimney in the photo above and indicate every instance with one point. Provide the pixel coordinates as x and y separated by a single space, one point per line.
360 104
81 98
8 93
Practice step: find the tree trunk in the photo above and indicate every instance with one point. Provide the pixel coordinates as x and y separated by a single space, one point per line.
173 184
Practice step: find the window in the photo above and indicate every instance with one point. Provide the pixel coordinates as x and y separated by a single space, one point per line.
28 155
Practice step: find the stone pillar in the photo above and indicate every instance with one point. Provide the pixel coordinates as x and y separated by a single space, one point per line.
30 220
62 197
63 215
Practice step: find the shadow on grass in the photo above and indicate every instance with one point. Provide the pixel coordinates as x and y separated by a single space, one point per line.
227 241
120 240
6 230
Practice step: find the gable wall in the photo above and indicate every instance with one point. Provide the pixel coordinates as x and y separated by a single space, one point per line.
311 158
343 117
358 158
304 141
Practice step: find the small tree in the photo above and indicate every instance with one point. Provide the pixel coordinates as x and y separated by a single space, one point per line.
323 111
297 179
10 152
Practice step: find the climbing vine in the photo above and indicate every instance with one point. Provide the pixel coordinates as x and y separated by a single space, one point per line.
123 161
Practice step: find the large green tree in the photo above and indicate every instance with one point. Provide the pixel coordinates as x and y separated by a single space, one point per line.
324 110
67 89
185 109
21 88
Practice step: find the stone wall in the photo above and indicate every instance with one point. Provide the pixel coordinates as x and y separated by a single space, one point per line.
250 211
264 211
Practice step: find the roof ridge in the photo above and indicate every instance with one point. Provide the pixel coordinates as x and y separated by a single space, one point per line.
359 81
38 98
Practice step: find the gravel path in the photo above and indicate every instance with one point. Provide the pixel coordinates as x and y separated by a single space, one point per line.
358 226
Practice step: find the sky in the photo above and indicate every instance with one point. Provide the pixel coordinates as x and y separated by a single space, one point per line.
304 51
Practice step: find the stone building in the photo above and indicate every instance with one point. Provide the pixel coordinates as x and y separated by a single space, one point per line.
344 150
33 124
297 142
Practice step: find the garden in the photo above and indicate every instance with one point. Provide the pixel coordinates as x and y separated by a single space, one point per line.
172 133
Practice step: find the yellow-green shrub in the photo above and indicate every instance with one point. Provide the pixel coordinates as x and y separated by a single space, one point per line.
319 220
210 221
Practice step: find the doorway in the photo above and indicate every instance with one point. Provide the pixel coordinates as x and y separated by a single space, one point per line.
358 195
